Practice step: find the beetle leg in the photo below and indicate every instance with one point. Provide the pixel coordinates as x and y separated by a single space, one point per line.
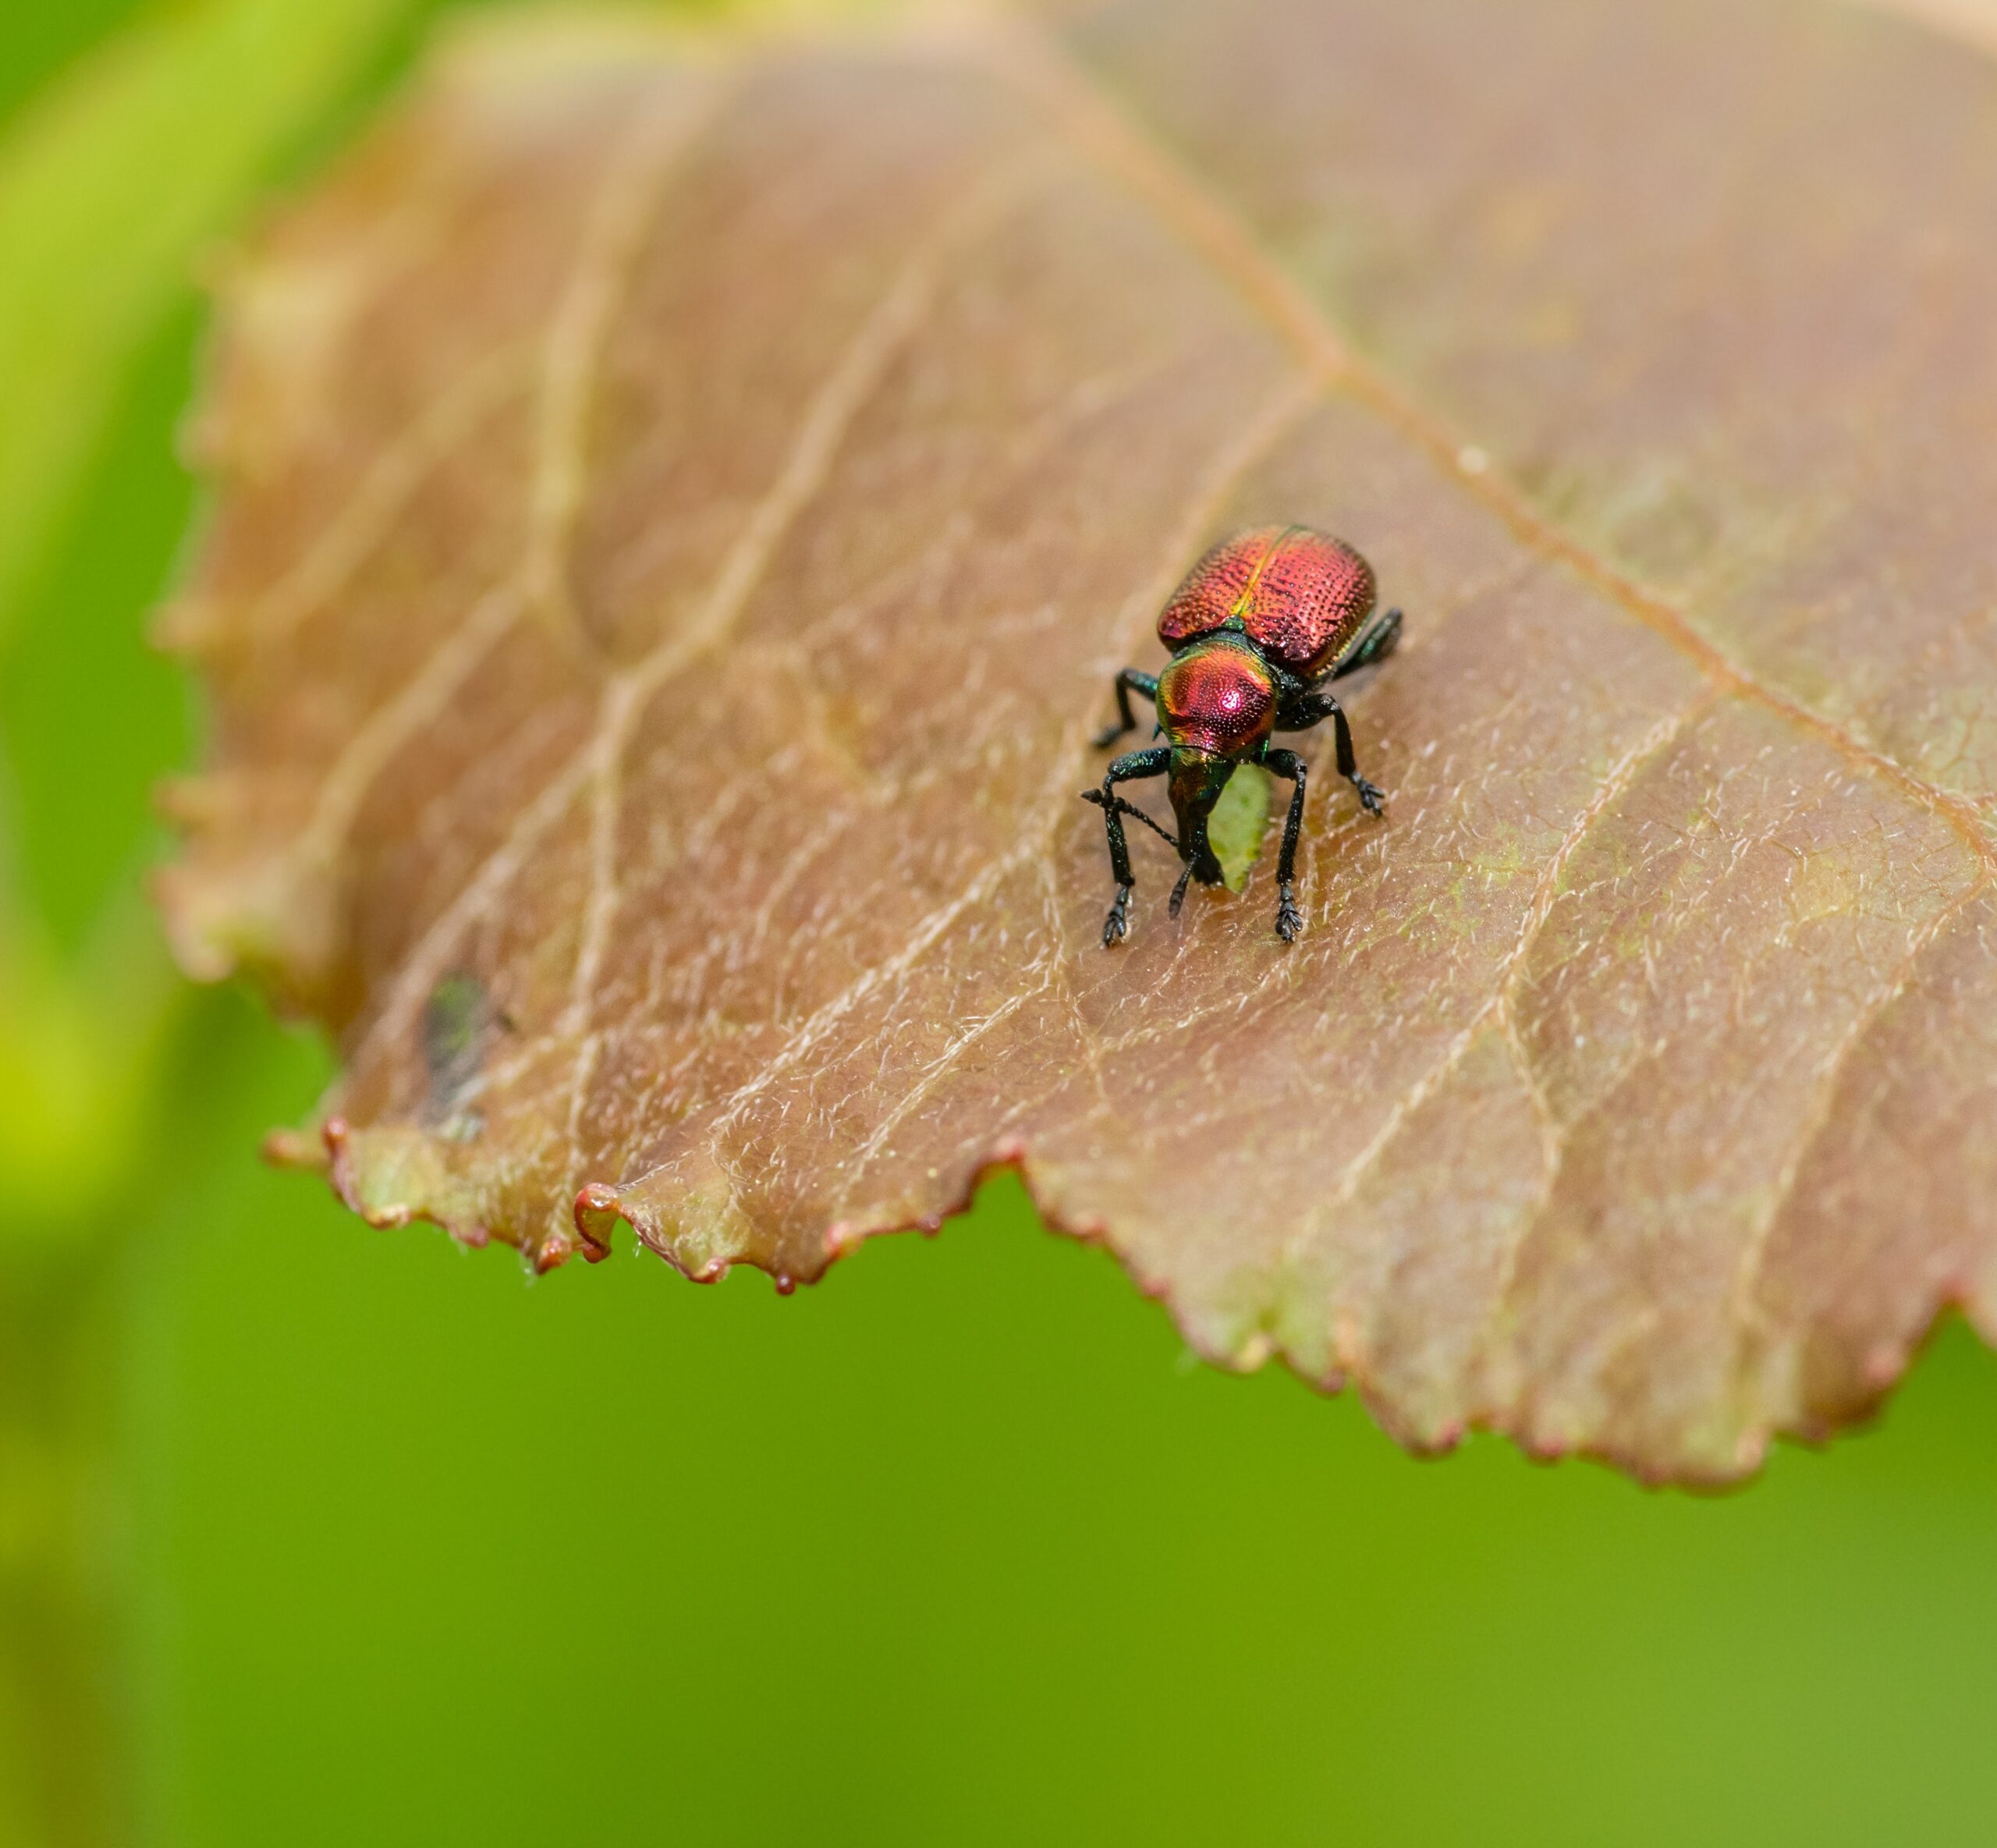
1130 767
1299 712
1289 920
1307 707
1129 681
1372 800
1377 640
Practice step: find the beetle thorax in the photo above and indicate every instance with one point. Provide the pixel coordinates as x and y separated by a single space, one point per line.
1217 696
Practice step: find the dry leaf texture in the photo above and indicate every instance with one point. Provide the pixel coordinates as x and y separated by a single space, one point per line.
678 515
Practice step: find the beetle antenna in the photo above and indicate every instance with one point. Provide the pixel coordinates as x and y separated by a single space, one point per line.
1130 808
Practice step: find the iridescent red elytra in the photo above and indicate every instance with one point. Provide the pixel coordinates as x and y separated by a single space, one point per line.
1260 629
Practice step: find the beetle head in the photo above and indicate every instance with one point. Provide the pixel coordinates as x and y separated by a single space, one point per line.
1197 778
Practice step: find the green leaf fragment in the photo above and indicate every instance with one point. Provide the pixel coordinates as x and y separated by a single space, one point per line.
1239 823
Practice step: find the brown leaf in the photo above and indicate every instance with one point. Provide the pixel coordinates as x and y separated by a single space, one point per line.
679 517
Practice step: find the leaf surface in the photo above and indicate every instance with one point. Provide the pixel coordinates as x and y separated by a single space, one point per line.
678 515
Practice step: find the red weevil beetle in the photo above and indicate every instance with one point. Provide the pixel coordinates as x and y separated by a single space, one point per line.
1258 631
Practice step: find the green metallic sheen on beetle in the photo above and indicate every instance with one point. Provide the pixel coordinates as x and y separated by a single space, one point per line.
1258 629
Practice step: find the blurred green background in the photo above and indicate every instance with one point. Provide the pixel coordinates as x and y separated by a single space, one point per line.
310 1533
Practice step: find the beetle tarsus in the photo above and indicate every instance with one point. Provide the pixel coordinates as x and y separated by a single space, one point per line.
1289 920
1179 891
1116 926
1371 798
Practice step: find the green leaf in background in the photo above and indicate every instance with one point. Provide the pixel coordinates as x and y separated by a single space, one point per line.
113 178
109 185
111 181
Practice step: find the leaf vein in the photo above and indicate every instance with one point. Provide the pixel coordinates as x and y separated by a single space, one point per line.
1213 230
1818 1118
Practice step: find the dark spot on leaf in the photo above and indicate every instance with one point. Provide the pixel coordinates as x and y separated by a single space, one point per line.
457 1019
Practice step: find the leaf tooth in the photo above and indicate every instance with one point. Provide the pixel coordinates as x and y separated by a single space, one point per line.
197 802
200 439
301 1149
553 1251
190 627
596 1215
